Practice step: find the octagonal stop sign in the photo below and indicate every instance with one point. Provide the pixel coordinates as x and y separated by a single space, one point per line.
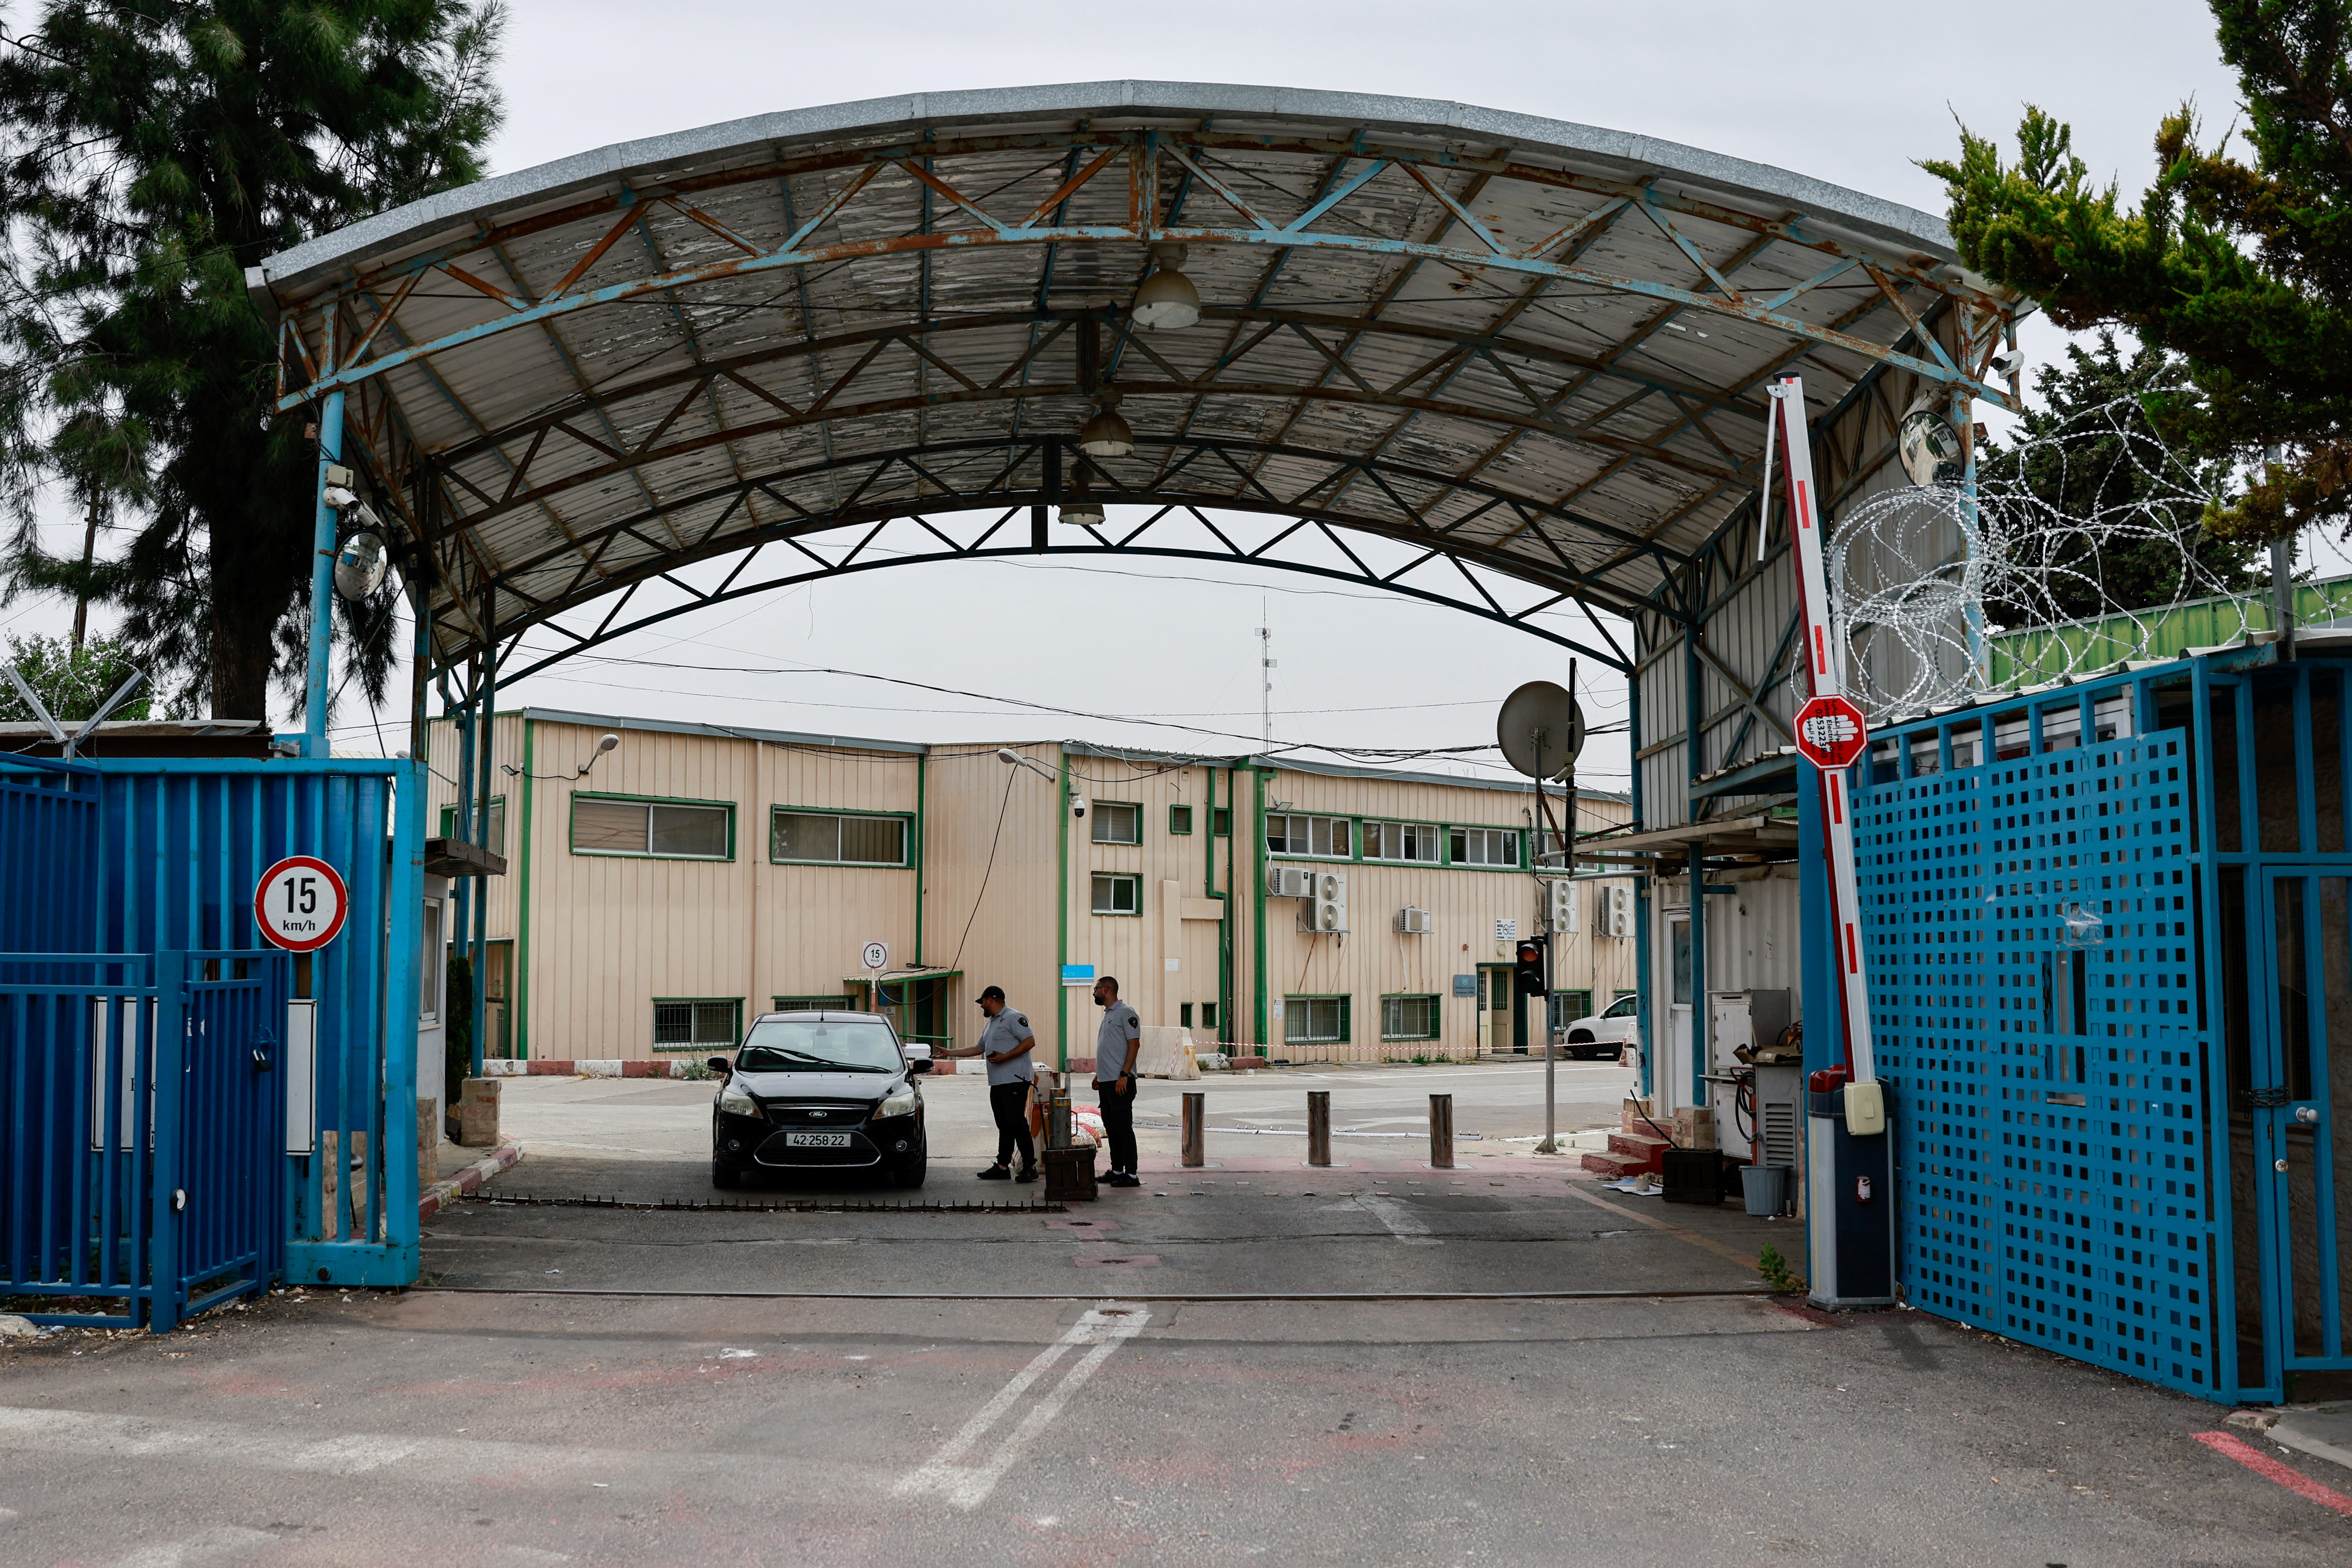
1831 732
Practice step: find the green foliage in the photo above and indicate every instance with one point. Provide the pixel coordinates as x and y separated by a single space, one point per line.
2088 451
1774 1270
71 681
2241 269
458 1030
149 153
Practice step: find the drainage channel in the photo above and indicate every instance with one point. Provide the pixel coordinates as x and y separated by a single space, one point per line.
1750 1292
788 1205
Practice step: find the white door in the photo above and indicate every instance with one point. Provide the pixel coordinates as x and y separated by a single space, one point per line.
1674 1083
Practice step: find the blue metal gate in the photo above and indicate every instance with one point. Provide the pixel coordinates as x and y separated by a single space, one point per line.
192 1112
143 1155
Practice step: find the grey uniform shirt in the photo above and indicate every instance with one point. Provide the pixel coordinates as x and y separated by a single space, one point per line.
1003 1032
1114 1042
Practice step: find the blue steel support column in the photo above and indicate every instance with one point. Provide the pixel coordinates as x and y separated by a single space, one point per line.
1700 1007
323 580
1817 975
486 760
1972 607
1641 1015
402 985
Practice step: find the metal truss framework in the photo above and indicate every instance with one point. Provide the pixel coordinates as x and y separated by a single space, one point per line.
695 445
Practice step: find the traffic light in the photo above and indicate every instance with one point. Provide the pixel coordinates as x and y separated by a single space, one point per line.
1527 968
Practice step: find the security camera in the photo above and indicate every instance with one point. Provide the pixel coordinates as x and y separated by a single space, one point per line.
2006 363
1077 808
338 496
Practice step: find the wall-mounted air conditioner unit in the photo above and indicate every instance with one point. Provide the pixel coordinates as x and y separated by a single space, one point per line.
1289 882
1326 910
1415 922
1619 919
1560 904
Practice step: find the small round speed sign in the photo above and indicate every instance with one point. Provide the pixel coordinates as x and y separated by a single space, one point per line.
877 956
300 903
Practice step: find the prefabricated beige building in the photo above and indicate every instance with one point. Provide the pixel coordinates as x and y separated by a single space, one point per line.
659 893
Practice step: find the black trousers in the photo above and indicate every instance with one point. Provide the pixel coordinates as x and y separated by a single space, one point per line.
1010 1104
1118 1125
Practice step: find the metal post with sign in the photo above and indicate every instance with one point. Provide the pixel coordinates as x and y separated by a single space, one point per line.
1850 1206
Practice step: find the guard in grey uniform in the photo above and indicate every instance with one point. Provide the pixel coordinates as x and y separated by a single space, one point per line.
1116 1044
1006 1041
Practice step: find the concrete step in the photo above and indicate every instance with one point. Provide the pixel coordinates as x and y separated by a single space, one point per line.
1615 1166
1644 1146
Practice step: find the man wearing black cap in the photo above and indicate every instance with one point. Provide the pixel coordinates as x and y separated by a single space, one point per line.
1006 1041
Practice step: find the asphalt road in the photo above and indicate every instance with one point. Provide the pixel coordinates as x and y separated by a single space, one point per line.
539 1430
650 1139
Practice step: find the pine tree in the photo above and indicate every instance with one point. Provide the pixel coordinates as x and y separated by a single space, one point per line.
2242 269
150 151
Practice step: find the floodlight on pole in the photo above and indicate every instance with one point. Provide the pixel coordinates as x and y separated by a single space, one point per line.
1014 759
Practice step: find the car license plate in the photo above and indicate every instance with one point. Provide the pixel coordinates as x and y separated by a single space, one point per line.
817 1139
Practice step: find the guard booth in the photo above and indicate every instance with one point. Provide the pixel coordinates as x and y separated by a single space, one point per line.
2110 931
194 1113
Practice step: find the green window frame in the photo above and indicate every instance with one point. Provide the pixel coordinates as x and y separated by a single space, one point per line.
1295 834
696 1023
1110 815
1401 843
1478 848
1220 822
1316 1020
1405 1016
664 819
1108 887
856 838
495 841
1179 821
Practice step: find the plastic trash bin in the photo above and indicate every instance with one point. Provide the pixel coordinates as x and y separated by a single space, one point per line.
1761 1186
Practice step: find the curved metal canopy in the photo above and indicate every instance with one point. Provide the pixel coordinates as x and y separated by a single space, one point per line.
1521 345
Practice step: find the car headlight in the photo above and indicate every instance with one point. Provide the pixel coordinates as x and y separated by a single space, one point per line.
733 1101
900 1104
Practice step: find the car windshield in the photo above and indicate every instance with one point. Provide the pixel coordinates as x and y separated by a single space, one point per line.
818 1045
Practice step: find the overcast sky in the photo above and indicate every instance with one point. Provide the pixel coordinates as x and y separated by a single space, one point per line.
1846 92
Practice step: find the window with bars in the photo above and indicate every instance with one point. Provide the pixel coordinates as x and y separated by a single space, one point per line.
1401 841
1118 822
1408 1017
691 1023
1117 895
1322 837
1315 1020
1483 847
494 840
664 829
836 838
817 1001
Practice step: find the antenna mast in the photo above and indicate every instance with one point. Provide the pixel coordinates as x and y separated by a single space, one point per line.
1264 676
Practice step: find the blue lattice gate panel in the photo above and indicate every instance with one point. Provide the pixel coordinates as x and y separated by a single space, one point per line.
2032 906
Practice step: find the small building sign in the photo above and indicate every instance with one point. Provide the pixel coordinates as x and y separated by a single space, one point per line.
1506 930
1466 986
1078 975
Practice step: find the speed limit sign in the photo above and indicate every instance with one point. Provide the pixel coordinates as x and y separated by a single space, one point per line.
877 956
300 903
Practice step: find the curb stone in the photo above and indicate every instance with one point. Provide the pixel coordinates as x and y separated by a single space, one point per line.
449 1189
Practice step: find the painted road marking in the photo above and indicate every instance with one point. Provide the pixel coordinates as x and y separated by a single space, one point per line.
1403 1224
2263 1465
1674 1230
354 1453
204 1546
1104 1329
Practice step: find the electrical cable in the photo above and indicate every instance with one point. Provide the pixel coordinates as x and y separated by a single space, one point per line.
1010 774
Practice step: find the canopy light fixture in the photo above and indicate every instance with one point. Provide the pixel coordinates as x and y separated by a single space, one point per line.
1106 435
1167 301
1080 509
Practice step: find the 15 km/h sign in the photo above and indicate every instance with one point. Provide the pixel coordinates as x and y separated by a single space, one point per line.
300 903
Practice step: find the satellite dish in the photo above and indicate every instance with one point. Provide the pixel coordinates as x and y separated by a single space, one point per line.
1540 717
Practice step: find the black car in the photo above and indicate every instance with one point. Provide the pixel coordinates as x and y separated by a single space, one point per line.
818 1091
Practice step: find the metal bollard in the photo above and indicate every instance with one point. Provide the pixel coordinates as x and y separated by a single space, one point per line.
1196 1141
1441 1132
1318 1126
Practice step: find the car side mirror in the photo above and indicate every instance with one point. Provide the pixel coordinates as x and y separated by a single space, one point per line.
920 1064
720 1065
